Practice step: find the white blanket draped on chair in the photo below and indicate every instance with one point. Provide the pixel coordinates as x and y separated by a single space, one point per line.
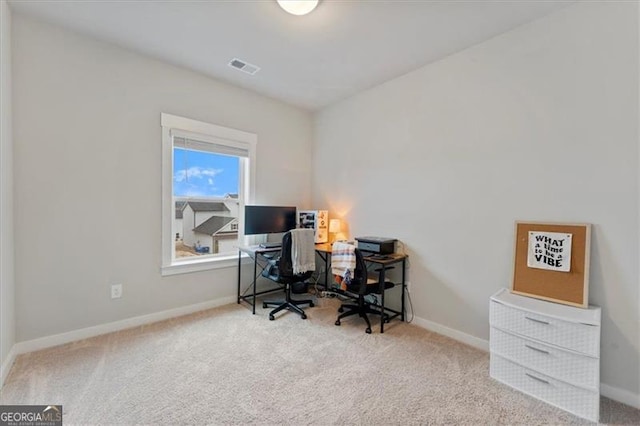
303 253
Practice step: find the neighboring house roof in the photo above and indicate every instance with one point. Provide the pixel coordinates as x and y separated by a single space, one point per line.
213 225
207 206
231 196
179 208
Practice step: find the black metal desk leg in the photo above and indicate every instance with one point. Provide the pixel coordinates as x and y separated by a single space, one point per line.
382 278
239 268
403 288
255 278
325 258
326 272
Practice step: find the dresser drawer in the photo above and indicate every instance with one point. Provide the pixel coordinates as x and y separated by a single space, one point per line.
579 401
573 368
578 337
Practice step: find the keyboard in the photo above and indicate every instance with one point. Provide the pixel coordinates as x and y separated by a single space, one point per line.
270 245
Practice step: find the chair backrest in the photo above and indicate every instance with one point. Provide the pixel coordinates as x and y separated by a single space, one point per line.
360 275
285 264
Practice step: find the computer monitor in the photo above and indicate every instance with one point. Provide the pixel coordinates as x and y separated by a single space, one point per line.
268 219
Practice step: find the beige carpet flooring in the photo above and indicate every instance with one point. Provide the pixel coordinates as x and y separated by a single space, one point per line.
226 366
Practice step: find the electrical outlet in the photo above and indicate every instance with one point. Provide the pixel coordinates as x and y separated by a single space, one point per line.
116 291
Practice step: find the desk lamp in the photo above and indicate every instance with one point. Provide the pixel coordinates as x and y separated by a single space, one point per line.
335 226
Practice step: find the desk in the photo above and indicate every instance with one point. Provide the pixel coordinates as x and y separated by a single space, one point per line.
259 256
324 251
384 264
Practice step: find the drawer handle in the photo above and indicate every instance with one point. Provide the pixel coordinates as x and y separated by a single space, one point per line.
537 320
537 350
537 378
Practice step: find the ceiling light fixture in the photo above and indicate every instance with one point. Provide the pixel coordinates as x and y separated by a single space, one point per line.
298 7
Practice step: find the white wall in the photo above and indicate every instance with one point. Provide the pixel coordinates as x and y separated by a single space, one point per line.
177 227
540 124
188 223
7 285
233 207
88 139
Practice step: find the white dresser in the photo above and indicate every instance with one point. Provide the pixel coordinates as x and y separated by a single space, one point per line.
547 350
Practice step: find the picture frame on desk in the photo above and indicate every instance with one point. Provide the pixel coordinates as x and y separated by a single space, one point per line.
318 220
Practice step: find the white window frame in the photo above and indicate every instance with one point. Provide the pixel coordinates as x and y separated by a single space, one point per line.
173 125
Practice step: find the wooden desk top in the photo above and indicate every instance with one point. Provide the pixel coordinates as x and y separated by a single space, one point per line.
324 247
386 259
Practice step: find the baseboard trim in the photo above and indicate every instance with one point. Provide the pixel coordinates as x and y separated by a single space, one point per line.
620 395
611 392
84 333
7 364
460 336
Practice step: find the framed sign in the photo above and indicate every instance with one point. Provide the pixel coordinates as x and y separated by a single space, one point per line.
552 262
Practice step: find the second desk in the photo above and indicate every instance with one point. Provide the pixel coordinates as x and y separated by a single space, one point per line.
382 264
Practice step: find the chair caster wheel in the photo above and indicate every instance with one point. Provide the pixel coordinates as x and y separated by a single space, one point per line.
386 320
338 322
303 316
311 305
264 306
368 330
271 317
340 309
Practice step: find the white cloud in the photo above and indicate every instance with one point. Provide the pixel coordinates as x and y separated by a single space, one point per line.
194 192
196 173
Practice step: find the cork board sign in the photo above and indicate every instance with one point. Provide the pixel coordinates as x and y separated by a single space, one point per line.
552 262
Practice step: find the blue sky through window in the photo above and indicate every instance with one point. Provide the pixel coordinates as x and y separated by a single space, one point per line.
204 174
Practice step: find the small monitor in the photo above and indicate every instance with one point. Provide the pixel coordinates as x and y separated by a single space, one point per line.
268 219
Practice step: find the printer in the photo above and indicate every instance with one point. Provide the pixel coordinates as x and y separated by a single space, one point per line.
378 245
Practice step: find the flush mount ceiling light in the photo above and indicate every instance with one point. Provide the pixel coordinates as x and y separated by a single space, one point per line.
298 7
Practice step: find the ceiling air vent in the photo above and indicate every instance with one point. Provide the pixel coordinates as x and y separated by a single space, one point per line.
244 66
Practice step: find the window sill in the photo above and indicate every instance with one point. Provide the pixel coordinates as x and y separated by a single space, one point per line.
186 267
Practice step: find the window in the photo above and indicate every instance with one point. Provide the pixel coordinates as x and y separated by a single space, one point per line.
207 178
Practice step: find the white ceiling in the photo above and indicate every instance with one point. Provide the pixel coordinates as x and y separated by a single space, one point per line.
310 61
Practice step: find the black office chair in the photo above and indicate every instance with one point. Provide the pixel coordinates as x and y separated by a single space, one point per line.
357 290
280 270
